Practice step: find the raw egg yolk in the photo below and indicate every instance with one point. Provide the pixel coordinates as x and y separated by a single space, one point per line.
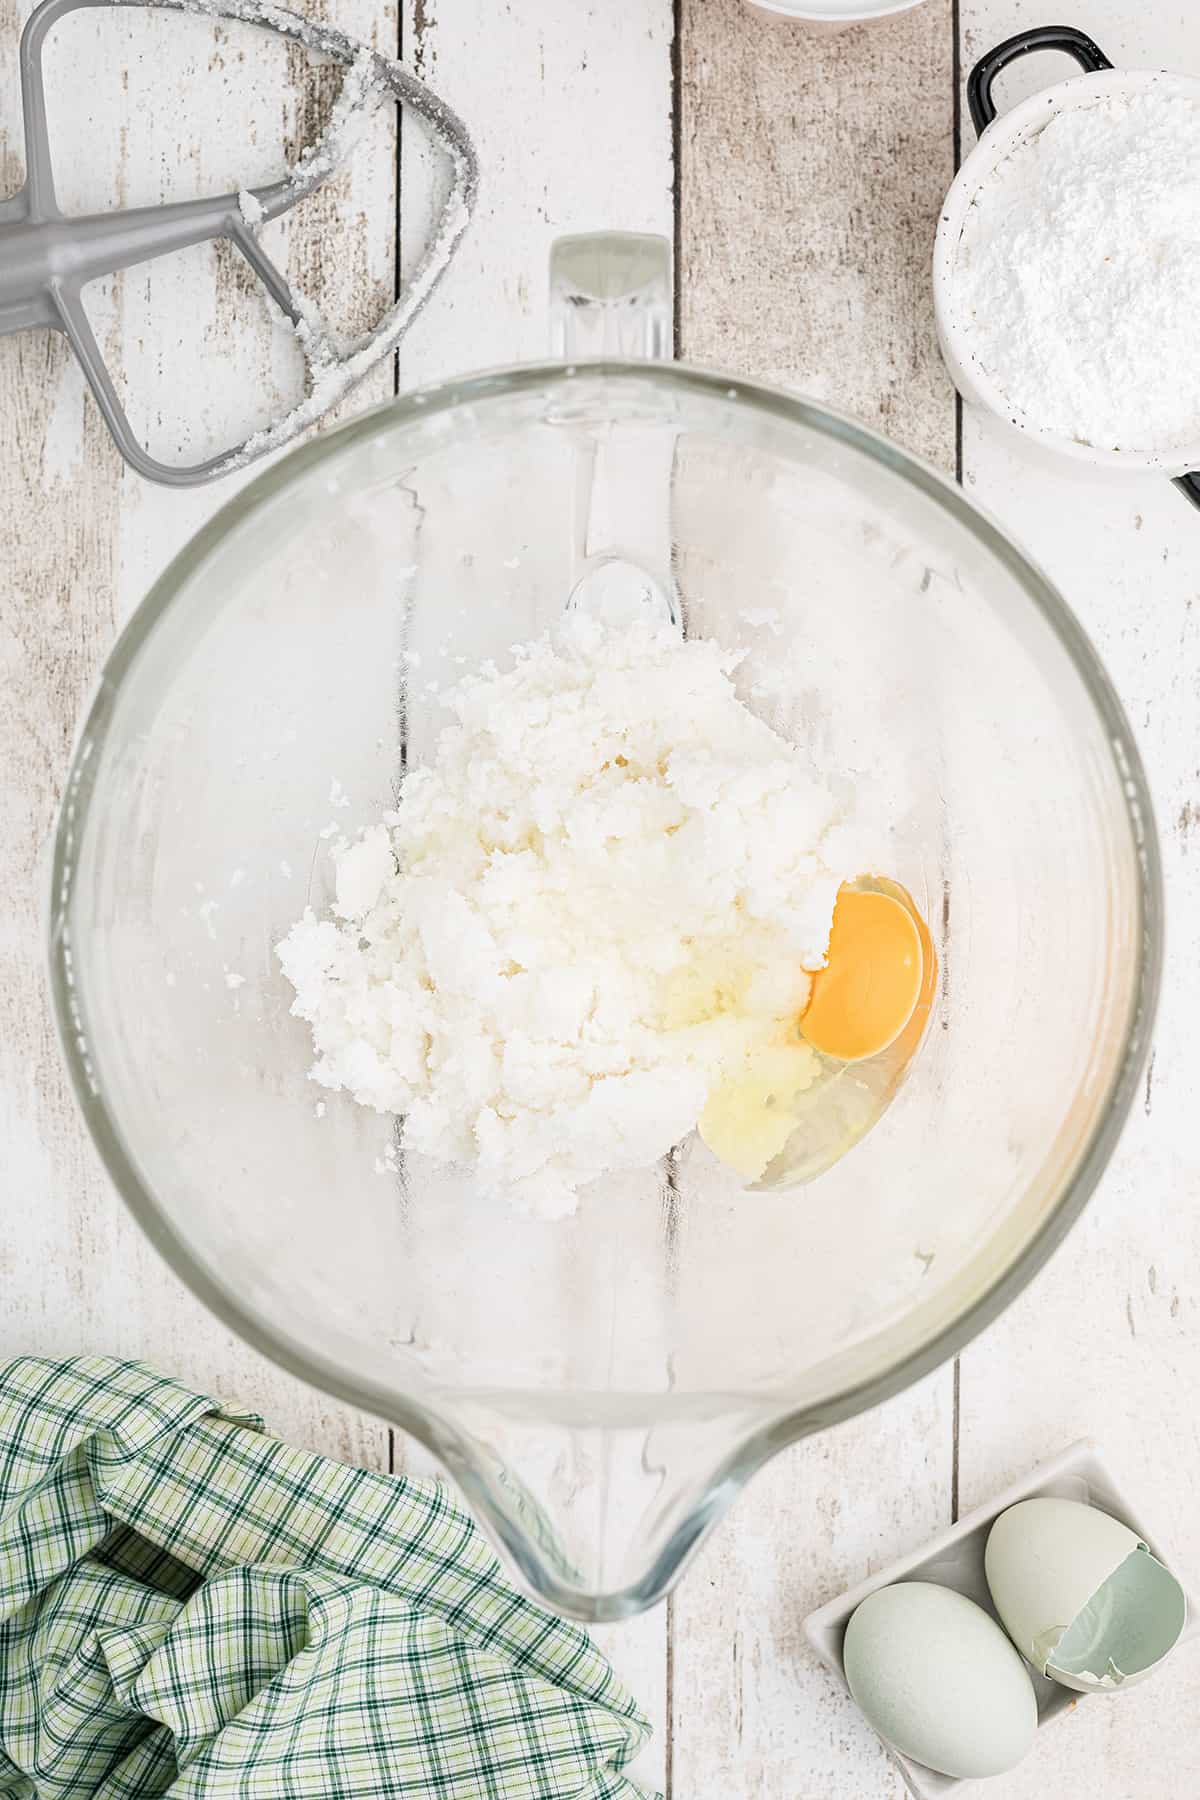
867 992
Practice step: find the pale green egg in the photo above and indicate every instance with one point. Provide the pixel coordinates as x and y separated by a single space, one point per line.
937 1678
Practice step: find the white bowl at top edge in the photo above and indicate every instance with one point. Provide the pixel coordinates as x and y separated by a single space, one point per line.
999 139
831 15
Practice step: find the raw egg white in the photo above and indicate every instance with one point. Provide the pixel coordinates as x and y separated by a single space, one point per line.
801 1100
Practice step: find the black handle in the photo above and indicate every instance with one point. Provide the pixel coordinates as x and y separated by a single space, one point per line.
1189 487
1078 44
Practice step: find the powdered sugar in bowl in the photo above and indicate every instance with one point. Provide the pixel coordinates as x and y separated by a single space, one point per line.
1067 258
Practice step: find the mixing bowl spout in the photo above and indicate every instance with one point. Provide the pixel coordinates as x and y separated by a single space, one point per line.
612 1498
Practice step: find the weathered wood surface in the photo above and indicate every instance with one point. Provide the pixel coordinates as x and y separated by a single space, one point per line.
1107 1341
846 147
571 112
810 173
80 539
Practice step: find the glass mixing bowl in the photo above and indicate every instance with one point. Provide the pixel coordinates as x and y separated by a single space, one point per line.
600 1386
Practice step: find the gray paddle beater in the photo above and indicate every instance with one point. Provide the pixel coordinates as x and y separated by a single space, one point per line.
46 258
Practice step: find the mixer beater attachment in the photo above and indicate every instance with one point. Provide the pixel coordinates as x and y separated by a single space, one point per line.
46 258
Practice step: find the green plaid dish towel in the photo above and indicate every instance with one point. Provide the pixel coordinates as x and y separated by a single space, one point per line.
190 1608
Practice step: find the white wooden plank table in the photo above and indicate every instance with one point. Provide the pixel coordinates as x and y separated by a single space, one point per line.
801 177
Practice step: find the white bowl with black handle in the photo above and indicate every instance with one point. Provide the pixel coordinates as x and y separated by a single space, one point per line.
999 136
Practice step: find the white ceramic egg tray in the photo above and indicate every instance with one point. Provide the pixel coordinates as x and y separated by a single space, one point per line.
955 1560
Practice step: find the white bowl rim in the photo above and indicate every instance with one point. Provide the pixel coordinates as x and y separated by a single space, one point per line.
998 139
834 12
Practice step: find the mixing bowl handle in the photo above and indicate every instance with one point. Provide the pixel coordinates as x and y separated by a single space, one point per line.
611 297
1086 52
612 300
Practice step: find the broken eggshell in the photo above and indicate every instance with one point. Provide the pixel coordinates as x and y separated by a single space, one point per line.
1080 1595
